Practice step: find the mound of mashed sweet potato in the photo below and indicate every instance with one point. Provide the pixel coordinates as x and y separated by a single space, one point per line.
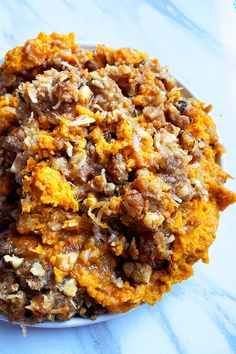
110 182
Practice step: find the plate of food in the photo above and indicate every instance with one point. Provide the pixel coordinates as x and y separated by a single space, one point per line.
111 183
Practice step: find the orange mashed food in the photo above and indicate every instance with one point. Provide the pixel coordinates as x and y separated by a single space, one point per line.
111 185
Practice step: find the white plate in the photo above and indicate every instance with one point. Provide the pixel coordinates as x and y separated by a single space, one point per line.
77 321
73 322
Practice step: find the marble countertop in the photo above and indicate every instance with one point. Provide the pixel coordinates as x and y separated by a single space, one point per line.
196 39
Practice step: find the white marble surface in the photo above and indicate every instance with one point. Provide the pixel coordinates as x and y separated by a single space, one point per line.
196 39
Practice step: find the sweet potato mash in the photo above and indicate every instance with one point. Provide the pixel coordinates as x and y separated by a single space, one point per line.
111 185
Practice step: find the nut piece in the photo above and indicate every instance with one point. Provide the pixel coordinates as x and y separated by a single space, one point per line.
133 249
66 261
153 220
84 94
133 203
37 269
91 65
69 287
14 260
139 272
184 190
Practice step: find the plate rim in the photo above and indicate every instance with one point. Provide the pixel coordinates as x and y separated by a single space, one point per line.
73 322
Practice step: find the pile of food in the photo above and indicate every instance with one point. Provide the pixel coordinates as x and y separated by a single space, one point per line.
110 182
